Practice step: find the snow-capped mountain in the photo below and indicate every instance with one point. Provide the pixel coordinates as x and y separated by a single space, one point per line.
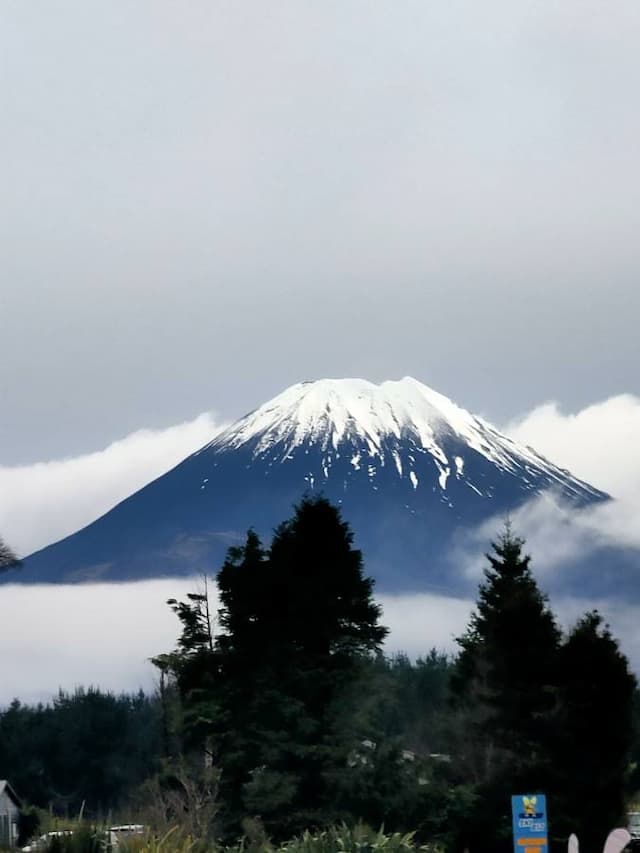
401 425
410 469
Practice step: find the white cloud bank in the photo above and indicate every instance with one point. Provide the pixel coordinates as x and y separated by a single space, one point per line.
65 636
44 502
601 445
55 637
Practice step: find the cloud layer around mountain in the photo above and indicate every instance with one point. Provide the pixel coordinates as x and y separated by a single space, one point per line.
600 445
44 502
104 634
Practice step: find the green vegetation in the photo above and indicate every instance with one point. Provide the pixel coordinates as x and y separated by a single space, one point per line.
87 747
540 712
279 718
89 838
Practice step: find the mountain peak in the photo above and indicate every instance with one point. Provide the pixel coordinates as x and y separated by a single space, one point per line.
408 466
401 424
338 410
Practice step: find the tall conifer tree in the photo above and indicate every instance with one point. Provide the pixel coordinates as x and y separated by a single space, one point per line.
595 733
505 684
299 624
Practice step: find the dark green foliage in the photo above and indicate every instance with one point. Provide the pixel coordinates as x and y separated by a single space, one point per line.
282 714
416 703
317 627
89 746
196 621
310 724
85 839
508 657
320 601
299 629
188 672
505 687
28 825
534 712
594 733
352 839
633 782
244 587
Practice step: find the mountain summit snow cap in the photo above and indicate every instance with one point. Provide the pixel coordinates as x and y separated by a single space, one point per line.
394 421
338 410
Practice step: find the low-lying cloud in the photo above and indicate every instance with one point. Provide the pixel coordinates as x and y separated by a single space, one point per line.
600 445
104 634
44 502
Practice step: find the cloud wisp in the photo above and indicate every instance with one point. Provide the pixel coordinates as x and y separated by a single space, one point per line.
46 501
598 444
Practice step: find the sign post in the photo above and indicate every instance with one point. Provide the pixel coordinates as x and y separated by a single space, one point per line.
529 813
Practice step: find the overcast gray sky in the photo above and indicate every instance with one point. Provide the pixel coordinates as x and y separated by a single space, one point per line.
204 202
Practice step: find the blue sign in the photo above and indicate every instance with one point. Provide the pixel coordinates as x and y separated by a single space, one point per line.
529 813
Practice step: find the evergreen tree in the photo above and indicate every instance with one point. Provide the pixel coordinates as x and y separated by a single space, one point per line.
595 733
321 599
248 708
192 669
88 746
633 781
274 696
244 590
505 685
300 624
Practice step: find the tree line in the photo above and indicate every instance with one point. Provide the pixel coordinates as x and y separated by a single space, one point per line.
87 746
289 700
281 710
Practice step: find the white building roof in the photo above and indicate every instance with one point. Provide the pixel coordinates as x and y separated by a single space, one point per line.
5 787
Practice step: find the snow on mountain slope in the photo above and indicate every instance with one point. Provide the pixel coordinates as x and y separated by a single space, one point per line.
411 471
386 424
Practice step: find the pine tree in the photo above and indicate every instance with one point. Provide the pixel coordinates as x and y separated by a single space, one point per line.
299 624
505 684
274 697
190 671
243 588
320 607
595 733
